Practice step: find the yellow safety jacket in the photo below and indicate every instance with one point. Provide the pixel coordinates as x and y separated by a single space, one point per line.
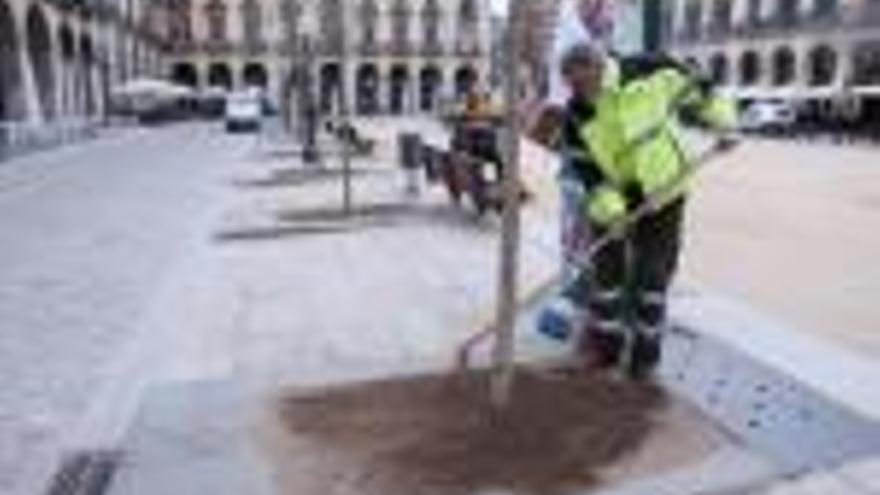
634 136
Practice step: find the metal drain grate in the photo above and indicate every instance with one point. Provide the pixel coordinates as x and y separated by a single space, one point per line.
85 473
771 412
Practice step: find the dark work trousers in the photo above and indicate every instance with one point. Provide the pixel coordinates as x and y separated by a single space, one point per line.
631 278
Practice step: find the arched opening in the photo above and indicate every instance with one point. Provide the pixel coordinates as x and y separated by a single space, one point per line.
784 64
10 73
331 84
465 80
185 74
39 43
749 68
398 89
368 89
822 66
431 82
86 74
69 80
255 75
719 68
866 64
219 76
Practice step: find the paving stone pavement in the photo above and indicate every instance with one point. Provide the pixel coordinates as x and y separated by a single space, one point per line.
90 233
249 291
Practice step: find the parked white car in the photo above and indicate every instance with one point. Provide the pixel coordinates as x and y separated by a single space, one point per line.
244 112
768 115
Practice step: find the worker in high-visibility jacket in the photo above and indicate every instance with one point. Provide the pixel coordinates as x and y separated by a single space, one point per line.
623 120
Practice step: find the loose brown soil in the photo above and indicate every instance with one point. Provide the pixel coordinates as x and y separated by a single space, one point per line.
432 435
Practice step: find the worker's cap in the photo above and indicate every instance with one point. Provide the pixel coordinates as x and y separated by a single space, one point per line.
582 54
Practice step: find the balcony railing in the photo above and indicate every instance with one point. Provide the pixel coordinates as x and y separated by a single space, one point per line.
400 48
254 47
432 49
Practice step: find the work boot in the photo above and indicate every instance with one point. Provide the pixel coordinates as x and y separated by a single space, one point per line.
600 350
646 353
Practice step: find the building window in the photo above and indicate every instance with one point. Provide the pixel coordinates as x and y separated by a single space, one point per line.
431 25
291 11
400 26
332 26
180 25
753 13
722 11
216 14
369 17
469 18
693 16
826 8
787 15
252 22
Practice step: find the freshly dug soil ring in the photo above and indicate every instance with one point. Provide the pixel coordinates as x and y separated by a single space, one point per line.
434 435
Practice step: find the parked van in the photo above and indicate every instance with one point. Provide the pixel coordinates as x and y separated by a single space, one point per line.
244 111
768 115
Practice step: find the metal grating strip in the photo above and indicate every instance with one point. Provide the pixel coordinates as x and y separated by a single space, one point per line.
768 410
84 473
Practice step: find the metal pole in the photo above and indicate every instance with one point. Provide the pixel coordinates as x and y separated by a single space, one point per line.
344 119
502 381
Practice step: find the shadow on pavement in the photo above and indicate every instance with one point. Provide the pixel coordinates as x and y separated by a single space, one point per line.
291 177
333 220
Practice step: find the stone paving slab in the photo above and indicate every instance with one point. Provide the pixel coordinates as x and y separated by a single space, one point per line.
283 307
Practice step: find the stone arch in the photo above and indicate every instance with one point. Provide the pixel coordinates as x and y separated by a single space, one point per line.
85 74
11 107
866 64
719 68
822 63
220 76
330 83
185 74
430 85
39 42
466 79
398 89
254 74
68 77
749 68
367 94
784 66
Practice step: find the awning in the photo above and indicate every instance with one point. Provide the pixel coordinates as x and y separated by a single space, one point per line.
155 88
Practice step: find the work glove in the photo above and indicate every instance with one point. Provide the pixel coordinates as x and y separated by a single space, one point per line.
606 206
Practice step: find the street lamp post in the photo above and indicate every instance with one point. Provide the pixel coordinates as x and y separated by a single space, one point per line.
307 107
344 118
